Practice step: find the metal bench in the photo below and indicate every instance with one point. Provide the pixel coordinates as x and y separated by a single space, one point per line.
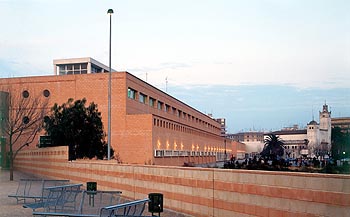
34 188
128 209
133 208
88 204
57 198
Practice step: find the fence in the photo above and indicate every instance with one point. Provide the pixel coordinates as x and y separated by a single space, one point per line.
203 192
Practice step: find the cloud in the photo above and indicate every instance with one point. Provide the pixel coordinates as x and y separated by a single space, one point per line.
202 73
160 67
269 45
263 106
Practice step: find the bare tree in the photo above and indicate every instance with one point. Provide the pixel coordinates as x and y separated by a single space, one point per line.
23 121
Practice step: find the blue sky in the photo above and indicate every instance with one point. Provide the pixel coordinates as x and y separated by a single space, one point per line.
261 64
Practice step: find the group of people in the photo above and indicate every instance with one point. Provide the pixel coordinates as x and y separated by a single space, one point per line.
272 163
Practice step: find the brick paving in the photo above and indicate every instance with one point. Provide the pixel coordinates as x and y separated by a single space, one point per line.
9 207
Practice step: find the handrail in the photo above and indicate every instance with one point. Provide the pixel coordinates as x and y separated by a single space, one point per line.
127 204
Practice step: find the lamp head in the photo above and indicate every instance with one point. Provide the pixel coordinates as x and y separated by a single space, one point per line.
110 11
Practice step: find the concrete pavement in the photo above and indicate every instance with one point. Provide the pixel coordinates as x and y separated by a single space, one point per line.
9 207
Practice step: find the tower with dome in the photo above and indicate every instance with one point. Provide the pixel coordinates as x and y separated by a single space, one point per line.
319 134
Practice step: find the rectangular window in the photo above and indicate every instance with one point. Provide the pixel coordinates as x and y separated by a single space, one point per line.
151 102
76 67
160 105
142 98
168 153
167 108
95 69
69 67
131 93
159 153
62 70
179 113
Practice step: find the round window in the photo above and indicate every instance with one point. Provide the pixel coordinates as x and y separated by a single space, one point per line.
46 93
25 94
25 120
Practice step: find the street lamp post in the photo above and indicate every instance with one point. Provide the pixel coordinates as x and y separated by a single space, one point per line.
225 151
110 12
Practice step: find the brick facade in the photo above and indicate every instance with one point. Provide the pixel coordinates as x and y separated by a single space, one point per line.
165 131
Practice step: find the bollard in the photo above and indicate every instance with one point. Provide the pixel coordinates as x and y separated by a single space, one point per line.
91 188
155 205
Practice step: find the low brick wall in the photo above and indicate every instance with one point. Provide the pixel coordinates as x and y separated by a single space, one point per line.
203 192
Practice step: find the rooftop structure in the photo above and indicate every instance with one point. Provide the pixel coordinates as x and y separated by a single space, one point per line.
222 122
247 136
85 65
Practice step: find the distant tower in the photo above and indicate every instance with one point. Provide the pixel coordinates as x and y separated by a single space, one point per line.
313 135
325 118
325 128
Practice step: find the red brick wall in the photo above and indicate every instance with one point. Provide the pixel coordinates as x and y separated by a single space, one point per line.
238 149
203 192
133 133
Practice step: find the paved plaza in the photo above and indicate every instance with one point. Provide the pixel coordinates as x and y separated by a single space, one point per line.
9 207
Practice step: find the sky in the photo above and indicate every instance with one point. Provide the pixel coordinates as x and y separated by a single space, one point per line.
261 64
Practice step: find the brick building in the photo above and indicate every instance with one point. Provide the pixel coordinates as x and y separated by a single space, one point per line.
254 142
342 122
148 125
238 150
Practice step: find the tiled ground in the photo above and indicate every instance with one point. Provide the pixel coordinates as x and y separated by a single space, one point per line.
9 208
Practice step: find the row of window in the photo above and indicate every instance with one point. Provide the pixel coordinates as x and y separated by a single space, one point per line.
25 93
342 126
257 136
43 153
178 127
295 147
78 68
173 153
152 102
69 69
253 140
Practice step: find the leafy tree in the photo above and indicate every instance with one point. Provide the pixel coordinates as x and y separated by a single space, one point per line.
22 121
79 127
340 144
273 147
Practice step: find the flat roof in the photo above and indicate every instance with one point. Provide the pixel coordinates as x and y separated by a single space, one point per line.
81 60
341 119
287 132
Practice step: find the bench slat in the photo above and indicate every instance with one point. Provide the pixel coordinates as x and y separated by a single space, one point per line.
104 211
57 196
127 204
33 188
63 214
